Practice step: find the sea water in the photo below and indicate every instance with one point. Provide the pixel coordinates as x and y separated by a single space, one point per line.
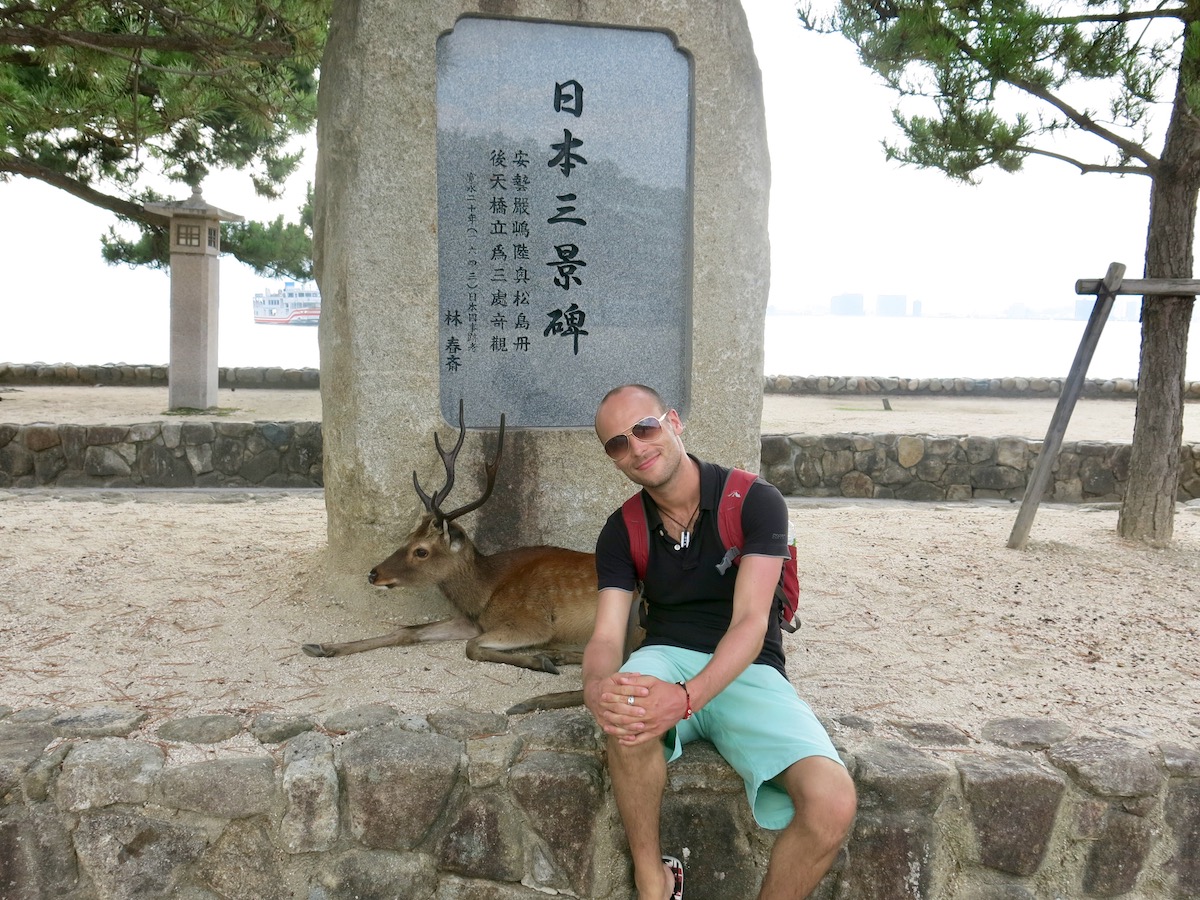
933 347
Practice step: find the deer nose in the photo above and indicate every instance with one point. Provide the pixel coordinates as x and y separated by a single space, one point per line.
372 575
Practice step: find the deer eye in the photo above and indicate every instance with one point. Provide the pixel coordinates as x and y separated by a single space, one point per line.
421 553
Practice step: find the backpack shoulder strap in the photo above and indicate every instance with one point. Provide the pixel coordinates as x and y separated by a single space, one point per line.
633 511
729 514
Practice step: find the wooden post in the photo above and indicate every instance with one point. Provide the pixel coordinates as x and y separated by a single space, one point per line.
1072 388
1151 287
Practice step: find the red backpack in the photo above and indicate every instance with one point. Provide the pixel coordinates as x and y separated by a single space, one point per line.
729 526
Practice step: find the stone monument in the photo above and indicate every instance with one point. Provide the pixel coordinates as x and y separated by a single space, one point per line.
195 241
564 217
522 204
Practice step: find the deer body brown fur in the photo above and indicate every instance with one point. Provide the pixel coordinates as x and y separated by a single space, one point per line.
533 607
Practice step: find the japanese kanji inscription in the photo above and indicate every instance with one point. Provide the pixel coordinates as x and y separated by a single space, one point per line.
564 217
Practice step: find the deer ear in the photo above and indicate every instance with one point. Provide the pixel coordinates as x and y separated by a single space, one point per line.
457 537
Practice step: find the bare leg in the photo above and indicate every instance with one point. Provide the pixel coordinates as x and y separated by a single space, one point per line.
823 794
639 775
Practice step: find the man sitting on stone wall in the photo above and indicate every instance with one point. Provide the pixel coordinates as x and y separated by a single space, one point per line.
712 663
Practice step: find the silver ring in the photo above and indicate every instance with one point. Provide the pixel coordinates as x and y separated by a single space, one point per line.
629 700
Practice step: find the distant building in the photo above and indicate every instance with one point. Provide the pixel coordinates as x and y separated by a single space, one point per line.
1131 312
847 305
916 308
891 305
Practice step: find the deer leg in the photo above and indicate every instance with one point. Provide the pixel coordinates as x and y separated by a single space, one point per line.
566 699
443 630
540 659
561 656
519 647
559 700
539 662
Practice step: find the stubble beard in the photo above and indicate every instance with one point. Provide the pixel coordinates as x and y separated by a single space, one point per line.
672 462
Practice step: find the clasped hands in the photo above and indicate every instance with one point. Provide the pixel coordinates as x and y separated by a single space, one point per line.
657 706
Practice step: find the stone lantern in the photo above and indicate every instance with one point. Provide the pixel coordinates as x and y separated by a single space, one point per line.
195 247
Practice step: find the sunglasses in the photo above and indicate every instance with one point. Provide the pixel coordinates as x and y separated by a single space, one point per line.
646 430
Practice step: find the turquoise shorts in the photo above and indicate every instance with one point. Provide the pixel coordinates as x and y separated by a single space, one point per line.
758 724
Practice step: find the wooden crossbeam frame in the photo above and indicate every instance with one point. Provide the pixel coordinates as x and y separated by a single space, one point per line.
1106 290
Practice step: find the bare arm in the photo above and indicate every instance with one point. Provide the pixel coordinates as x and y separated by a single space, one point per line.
753 600
665 704
603 694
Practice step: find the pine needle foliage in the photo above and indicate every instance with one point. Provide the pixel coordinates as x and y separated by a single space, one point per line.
997 82
97 96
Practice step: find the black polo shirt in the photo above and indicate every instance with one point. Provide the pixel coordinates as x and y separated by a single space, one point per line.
690 603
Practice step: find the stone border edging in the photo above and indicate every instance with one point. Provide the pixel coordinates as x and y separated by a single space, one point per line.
126 375
933 468
220 454
456 804
309 378
171 454
1028 388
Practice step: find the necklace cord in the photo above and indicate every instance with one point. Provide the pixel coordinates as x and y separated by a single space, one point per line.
685 533
684 527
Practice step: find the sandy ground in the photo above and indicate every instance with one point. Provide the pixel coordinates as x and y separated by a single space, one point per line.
193 602
1092 420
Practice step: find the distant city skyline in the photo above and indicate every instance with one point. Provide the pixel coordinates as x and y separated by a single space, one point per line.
899 306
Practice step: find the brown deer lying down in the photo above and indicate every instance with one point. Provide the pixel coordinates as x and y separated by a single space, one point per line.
533 607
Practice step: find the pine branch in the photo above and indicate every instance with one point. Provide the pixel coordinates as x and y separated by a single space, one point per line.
15 165
1131 148
1082 120
1176 12
250 48
1085 168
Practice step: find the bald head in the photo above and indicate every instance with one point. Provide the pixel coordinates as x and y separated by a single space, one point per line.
629 391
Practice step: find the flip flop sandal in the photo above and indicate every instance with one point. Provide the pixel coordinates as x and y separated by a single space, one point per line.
676 868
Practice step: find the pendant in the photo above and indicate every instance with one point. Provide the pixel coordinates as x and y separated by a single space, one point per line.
684 540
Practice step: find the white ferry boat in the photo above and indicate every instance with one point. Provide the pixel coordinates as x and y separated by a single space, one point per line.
294 304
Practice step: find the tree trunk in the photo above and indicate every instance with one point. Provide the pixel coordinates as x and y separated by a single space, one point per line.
1148 510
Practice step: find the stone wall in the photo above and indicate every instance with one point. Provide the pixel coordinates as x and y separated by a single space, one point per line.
469 806
162 455
275 377
152 376
289 454
933 468
1044 388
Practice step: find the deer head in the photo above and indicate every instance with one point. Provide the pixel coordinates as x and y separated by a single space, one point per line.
438 550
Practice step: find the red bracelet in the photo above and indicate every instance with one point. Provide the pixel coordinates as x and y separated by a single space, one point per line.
688 696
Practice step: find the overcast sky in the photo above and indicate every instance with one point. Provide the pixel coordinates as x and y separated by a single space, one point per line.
842 219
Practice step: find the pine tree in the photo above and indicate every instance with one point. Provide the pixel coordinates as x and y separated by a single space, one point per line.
1089 84
98 96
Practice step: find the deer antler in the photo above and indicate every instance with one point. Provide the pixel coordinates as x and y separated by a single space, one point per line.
490 470
434 504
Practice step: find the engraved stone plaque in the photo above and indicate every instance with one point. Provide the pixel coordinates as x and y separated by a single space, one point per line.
564 218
